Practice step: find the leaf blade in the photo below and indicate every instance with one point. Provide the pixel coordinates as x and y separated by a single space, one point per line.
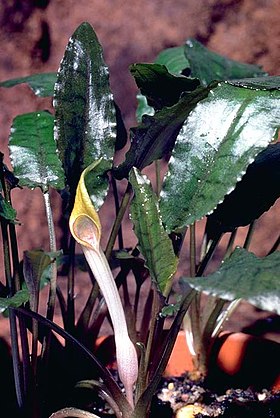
176 63
7 212
151 78
219 139
41 84
155 137
20 297
154 243
33 151
253 195
85 125
208 66
174 59
35 263
245 276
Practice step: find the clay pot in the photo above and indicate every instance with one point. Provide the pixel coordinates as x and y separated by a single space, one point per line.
237 360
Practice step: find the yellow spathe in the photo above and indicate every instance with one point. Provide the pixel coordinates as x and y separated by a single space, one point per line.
84 221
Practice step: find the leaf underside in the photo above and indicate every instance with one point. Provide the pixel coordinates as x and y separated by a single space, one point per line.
252 196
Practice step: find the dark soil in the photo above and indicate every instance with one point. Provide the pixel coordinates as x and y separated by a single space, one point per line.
234 403
174 394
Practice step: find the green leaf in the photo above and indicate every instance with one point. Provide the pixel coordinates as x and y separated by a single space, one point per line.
174 59
41 84
172 309
21 297
219 139
160 87
143 108
154 243
245 276
176 63
33 151
6 210
261 83
85 121
155 137
252 196
35 264
208 66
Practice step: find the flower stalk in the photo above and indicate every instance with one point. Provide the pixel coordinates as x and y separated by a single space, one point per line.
85 227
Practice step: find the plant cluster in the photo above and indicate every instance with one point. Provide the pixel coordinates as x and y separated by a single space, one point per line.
215 122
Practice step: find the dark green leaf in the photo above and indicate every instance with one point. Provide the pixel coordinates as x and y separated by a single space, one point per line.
85 125
208 66
252 196
219 139
33 151
41 84
35 264
176 63
160 87
121 138
261 83
21 297
6 210
245 276
154 243
8 177
155 137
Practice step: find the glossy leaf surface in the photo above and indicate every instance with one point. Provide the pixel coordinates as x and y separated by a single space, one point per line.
41 84
219 139
33 151
253 195
155 137
154 243
208 66
245 276
85 121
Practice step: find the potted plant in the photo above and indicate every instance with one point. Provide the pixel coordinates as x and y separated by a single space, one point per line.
213 120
